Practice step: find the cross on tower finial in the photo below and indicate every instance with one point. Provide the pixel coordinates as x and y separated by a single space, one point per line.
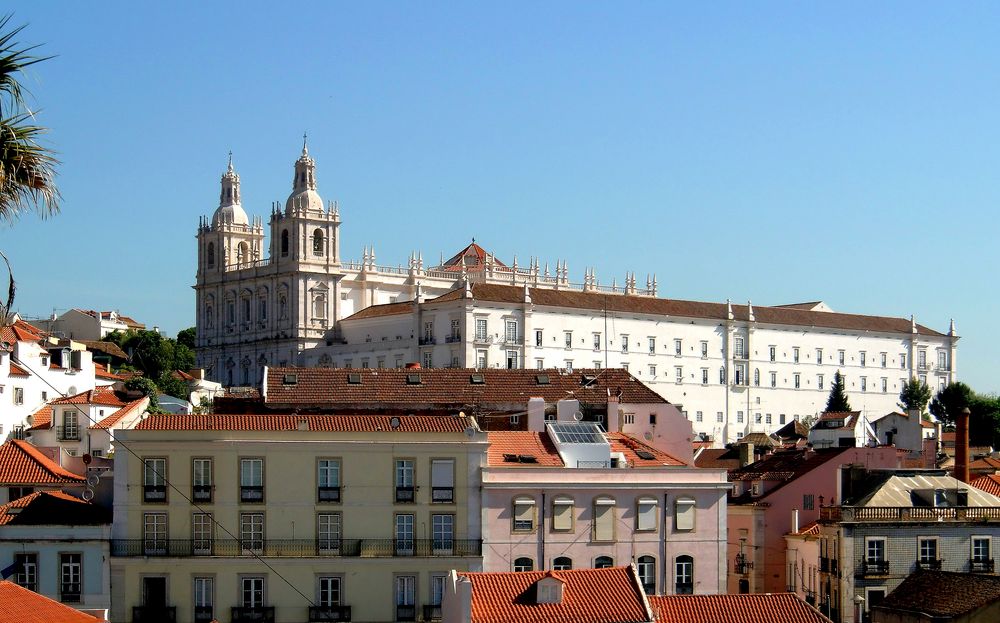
230 160
305 143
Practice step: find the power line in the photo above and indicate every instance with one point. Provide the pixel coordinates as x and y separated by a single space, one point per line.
163 477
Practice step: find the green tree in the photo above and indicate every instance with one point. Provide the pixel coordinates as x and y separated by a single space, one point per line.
173 386
950 401
838 395
147 387
914 395
185 337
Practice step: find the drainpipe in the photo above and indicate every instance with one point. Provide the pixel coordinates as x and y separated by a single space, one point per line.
663 548
541 536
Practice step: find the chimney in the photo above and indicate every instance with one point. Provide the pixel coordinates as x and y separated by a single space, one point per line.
746 454
962 445
567 409
795 521
536 414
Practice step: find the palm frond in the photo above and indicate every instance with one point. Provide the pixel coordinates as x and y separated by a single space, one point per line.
27 170
13 62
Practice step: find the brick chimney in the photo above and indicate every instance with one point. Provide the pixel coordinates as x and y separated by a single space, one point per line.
962 445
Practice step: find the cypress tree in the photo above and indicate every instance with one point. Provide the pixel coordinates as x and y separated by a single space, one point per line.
838 395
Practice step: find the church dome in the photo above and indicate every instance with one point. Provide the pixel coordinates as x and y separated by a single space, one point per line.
230 212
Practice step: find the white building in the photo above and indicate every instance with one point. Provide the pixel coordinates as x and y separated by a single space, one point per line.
733 368
87 324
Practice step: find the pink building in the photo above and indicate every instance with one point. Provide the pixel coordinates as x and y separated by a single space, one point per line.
768 496
572 496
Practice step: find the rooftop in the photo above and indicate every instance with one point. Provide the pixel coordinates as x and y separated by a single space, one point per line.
718 458
100 396
19 605
315 423
990 483
751 608
942 593
20 331
782 467
44 508
22 464
134 407
589 595
537 449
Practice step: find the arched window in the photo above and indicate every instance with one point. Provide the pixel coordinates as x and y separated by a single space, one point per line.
562 563
284 242
684 575
646 566
319 306
243 254
318 246
756 377
523 564
210 255
604 562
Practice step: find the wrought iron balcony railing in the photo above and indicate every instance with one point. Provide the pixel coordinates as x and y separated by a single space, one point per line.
154 493
432 613
251 494
442 494
255 614
154 614
929 564
68 432
981 565
201 493
406 613
875 567
404 494
318 614
328 494
204 614
296 548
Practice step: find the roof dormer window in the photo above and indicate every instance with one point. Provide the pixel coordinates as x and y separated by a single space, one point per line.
549 590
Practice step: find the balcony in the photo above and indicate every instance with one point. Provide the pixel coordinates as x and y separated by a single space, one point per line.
69 592
742 565
929 564
154 493
982 565
404 494
204 614
406 613
874 567
443 495
738 356
68 432
252 494
432 613
328 494
318 614
483 339
427 340
296 548
201 493
154 614
254 614
453 339
893 514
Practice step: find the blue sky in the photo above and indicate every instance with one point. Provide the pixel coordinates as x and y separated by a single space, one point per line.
765 151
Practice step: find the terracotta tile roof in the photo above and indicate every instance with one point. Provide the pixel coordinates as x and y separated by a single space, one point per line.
987 463
926 423
782 467
101 372
630 447
942 594
181 375
52 508
990 483
328 387
41 419
688 309
108 348
316 423
793 430
478 257
22 464
810 529
16 370
589 595
750 608
760 440
718 458
526 443
133 408
19 605
376 311
21 331
849 419
99 396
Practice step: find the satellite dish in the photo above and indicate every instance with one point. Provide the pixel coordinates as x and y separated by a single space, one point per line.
394 422
648 436
93 479
577 415
470 431
88 494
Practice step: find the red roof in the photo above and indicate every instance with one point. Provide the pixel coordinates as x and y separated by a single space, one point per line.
41 419
990 483
540 446
16 370
100 396
316 423
120 414
101 372
20 331
473 258
19 605
986 463
718 458
387 309
589 595
782 467
810 529
328 387
749 608
22 464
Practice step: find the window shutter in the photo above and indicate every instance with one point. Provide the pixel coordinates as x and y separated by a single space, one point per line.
443 473
604 520
684 510
646 514
562 514
524 514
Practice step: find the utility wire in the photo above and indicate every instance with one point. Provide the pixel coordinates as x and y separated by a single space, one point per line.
171 485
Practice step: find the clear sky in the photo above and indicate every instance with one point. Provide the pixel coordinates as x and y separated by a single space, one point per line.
773 152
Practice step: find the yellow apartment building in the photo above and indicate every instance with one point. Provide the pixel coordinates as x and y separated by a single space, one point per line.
293 518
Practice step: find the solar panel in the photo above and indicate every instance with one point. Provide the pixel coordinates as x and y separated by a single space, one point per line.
578 432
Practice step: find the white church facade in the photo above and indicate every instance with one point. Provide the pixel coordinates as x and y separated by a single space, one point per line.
731 368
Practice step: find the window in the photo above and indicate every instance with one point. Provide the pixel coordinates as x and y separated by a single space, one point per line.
404 480
678 347
942 360
840 357
562 514
704 376
885 385
704 350
684 510
201 533
515 419
652 419
774 379
27 571
739 417
722 375
211 255
481 329
699 416
781 419
767 418
510 334
625 344
252 591
512 363
795 354
524 514
981 548
798 381
252 480
630 418
684 575
864 383
318 246
539 364
819 355
757 418
204 599
405 596
679 374
568 364
154 534
922 359
875 550
201 480
154 480
562 563
756 377
284 243
437 594
70 578
645 515
772 352
428 332
604 562
927 548
481 359
443 480
646 566
738 351
523 564
652 371
819 381
443 533
883 358
70 430
252 531
652 346
538 337
808 501
329 592
404 534
568 335
719 417
604 519
328 532
902 361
